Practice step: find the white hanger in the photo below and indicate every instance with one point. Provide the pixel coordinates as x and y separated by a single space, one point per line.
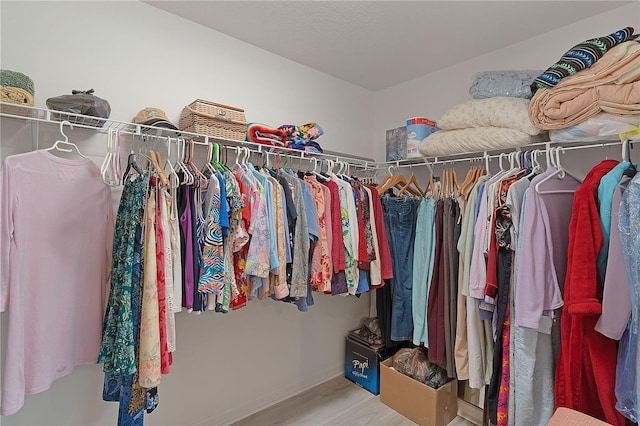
560 172
246 153
115 159
626 150
108 169
535 166
486 163
56 145
237 150
500 161
209 166
188 177
172 175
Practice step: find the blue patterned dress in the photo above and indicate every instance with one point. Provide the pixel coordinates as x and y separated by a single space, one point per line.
628 366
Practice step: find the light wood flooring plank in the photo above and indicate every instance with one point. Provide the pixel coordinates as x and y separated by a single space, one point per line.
312 406
337 402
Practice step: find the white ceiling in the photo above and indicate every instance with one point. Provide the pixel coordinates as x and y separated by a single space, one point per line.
377 44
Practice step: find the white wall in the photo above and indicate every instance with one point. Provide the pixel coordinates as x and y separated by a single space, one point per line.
433 94
135 56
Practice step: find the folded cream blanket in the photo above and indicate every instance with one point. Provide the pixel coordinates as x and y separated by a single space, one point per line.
611 85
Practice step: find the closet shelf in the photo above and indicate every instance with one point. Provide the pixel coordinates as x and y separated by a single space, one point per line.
47 116
43 115
492 154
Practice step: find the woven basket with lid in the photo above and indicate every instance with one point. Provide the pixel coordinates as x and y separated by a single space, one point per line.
212 119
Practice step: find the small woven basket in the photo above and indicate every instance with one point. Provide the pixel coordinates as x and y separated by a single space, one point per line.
212 119
16 88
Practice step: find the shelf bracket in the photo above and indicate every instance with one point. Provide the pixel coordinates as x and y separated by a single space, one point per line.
35 134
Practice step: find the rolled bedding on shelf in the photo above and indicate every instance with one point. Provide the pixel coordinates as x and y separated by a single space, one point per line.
511 113
483 125
460 141
611 85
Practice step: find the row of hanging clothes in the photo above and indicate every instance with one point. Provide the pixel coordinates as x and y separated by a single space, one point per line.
523 281
212 238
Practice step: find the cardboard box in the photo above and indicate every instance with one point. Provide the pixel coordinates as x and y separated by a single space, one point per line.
362 364
417 401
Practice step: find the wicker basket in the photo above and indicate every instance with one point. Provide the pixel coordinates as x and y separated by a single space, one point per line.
212 119
15 95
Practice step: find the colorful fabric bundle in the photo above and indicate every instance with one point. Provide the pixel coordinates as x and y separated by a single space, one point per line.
303 137
260 133
611 85
580 57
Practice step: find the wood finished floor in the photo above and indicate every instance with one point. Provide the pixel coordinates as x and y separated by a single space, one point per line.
335 402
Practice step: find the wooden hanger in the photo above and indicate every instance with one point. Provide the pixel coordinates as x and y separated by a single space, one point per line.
469 180
444 183
157 163
204 180
397 181
430 186
453 180
412 186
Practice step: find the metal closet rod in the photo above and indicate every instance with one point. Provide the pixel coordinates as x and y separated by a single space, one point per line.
418 162
267 150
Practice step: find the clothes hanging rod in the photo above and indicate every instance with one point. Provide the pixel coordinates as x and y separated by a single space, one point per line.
477 156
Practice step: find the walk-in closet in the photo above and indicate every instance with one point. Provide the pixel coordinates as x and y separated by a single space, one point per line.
319 213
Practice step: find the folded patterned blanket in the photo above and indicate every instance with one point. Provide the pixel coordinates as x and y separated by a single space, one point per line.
580 57
611 85
260 133
303 137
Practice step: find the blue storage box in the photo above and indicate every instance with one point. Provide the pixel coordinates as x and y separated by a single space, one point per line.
362 364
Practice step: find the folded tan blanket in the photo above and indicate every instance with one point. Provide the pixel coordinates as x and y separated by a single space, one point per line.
611 85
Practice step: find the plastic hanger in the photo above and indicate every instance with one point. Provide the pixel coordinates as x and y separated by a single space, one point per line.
174 179
560 172
237 162
535 167
209 165
116 157
109 170
502 169
188 178
131 164
57 145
